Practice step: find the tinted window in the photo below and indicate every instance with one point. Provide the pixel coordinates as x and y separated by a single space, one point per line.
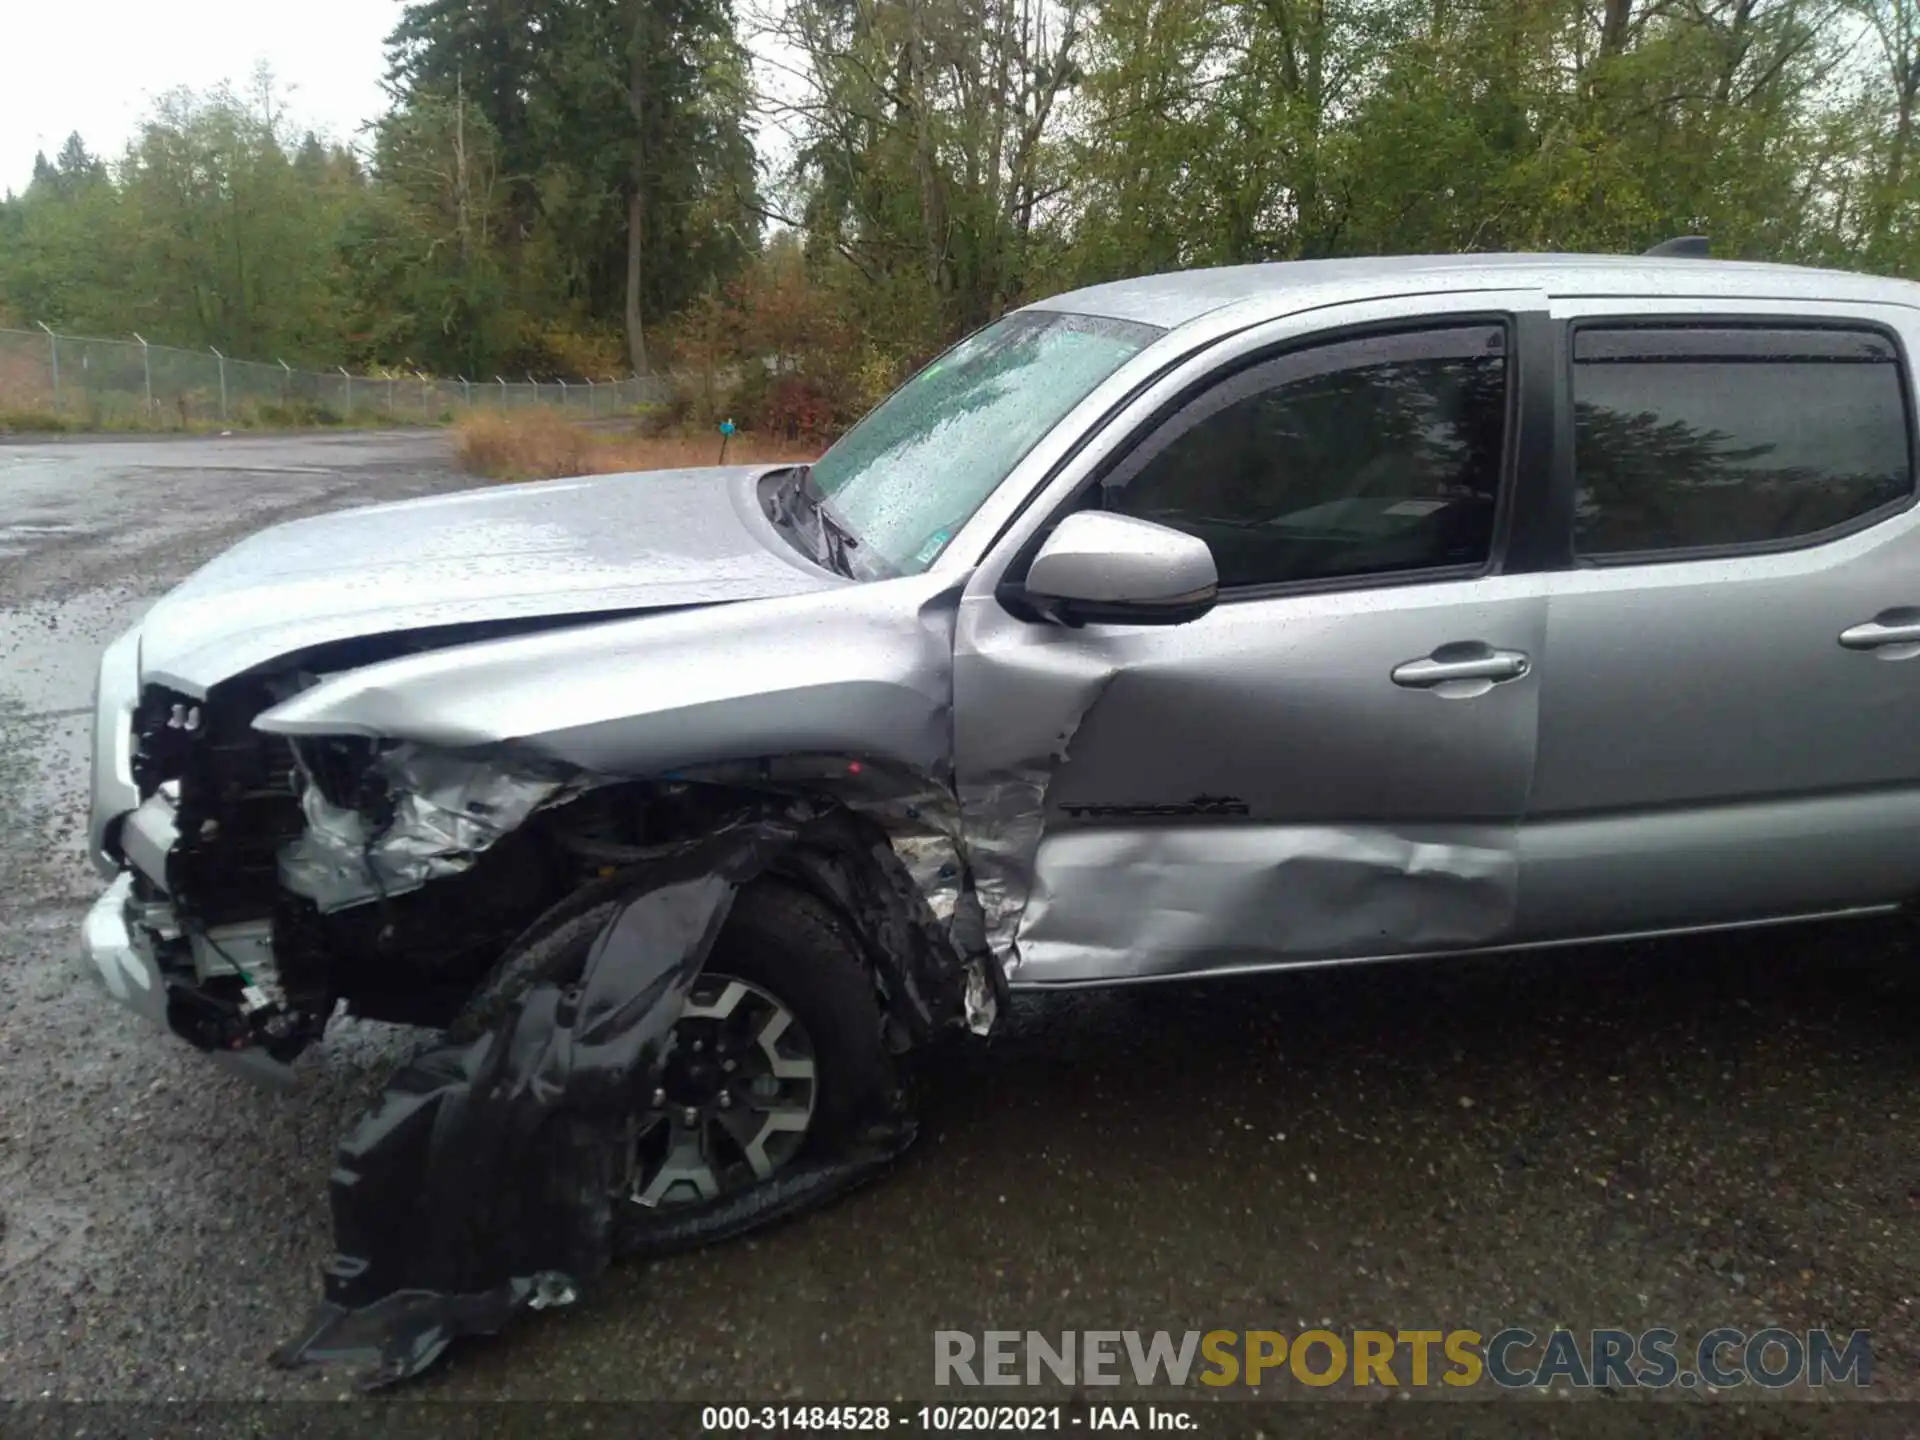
1363 457
1690 438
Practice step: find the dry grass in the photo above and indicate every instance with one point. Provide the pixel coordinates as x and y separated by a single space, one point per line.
540 445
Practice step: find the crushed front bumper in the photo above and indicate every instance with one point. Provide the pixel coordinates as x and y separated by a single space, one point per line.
128 971
116 949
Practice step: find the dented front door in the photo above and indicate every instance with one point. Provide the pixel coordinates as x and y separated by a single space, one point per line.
1333 763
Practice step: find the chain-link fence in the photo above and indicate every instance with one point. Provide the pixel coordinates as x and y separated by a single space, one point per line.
112 384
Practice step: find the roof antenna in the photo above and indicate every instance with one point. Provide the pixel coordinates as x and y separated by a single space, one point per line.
1683 247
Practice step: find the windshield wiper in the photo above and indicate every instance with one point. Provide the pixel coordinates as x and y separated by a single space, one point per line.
804 510
833 530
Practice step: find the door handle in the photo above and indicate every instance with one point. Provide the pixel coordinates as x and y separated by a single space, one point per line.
1894 627
1469 669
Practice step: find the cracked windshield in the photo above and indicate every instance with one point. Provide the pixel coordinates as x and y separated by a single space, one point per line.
912 473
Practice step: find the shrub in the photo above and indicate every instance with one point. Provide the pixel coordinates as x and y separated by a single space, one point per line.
535 444
294 414
798 408
32 422
779 352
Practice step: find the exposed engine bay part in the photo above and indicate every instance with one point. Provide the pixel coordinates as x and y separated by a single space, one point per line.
412 815
485 1179
382 822
388 876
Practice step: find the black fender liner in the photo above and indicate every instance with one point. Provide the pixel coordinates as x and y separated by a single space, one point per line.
482 1180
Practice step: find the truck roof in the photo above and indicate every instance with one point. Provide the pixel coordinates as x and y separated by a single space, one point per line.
1173 299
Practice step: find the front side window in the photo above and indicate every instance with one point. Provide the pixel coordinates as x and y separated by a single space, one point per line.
907 477
1693 438
1372 456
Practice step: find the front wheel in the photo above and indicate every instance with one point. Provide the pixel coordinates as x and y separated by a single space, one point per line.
777 1068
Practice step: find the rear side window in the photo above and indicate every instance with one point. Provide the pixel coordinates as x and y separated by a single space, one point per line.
1689 438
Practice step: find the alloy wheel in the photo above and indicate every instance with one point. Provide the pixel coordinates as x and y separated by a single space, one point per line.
734 1102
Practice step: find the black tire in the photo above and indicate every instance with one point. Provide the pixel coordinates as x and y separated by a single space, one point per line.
779 937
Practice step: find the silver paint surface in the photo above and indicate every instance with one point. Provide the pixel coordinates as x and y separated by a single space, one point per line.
148 835
1139 900
1182 297
860 670
111 958
116 690
1281 705
1701 867
1097 556
1284 704
1709 749
602 544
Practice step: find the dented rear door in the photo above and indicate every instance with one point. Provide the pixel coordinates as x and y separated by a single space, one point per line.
1333 763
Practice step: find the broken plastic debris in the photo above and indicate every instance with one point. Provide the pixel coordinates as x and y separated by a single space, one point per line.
483 1180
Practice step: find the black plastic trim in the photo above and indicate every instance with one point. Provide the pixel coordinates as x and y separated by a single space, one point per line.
1539 536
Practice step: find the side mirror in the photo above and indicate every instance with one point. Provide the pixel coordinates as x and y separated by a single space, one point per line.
1117 570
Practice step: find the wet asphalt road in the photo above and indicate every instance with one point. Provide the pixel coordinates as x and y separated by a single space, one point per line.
1723 1132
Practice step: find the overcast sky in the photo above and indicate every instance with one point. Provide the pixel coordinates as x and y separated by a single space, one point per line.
95 65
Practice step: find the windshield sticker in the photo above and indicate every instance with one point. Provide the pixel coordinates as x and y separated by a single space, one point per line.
930 551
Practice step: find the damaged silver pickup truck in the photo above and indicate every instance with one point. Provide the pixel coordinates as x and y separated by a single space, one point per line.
1204 623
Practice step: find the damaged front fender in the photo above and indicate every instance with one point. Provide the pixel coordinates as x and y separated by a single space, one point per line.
865 670
476 738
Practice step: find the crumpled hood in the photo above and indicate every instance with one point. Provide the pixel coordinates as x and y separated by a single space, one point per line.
608 543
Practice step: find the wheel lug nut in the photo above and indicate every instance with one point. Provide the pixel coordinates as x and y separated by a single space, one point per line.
726 1100
729 1066
692 1116
659 1099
